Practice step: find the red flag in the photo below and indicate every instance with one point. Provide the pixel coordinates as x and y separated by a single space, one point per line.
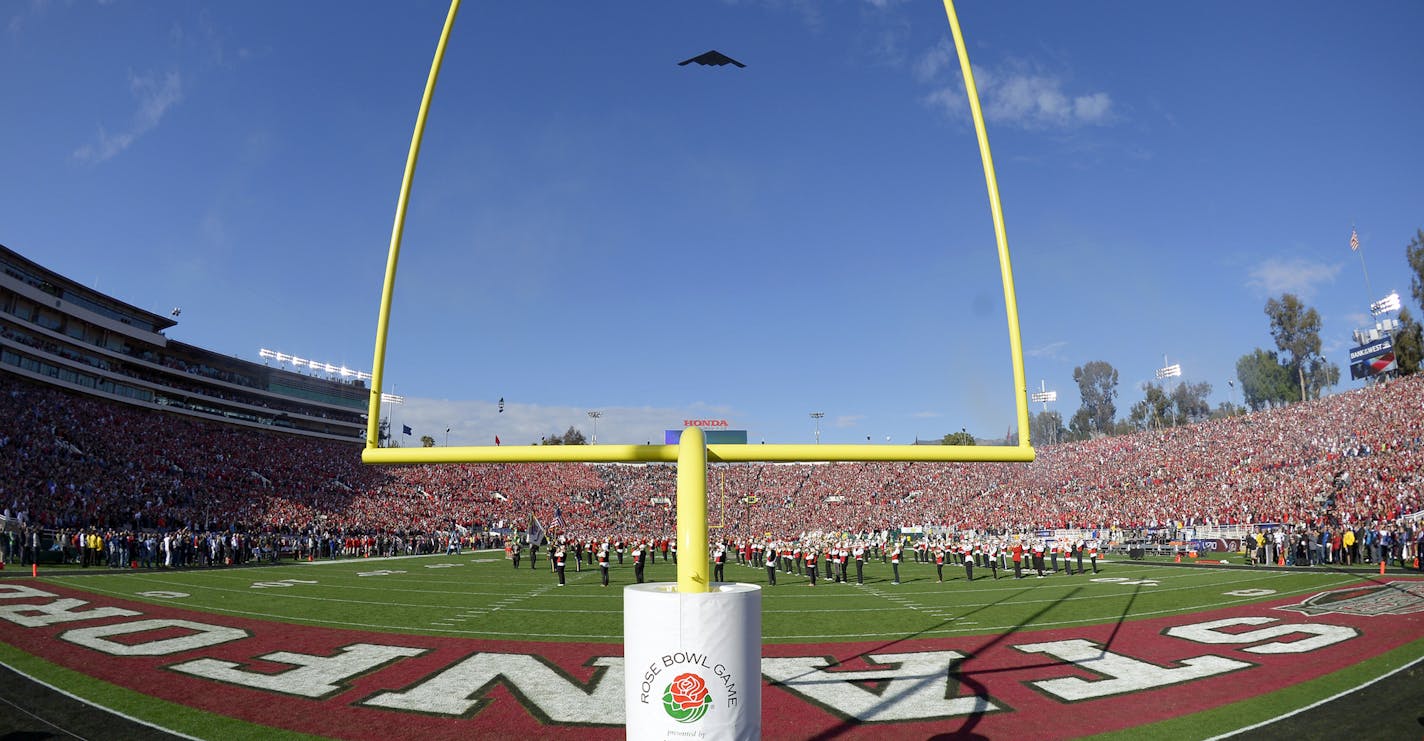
496 439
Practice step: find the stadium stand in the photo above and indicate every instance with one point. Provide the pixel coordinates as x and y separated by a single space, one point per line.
218 458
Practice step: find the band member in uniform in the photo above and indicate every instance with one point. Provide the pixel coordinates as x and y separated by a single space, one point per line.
859 554
968 551
770 559
895 563
939 564
638 556
533 554
559 563
1093 555
1038 557
1018 553
811 564
1053 557
1078 547
992 558
719 563
514 552
603 562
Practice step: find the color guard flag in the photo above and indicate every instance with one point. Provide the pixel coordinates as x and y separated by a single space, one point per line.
405 429
1354 240
496 439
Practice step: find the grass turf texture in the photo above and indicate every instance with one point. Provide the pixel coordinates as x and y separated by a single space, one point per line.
480 596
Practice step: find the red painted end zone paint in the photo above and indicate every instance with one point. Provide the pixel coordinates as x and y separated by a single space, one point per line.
1007 671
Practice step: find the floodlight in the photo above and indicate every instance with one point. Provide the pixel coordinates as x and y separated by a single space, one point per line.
1386 304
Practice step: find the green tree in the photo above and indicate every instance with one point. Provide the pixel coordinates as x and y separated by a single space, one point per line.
958 438
571 436
1046 428
1415 254
1408 344
1265 381
1097 387
1227 409
1296 329
427 441
1190 403
1155 409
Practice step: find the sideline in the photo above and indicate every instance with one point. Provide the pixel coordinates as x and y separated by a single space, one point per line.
1321 702
45 699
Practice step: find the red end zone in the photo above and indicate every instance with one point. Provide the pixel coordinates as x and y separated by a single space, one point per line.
361 685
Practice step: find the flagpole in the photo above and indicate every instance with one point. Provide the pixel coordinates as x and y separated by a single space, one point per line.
1355 246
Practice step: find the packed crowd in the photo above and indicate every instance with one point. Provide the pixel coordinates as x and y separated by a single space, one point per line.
70 462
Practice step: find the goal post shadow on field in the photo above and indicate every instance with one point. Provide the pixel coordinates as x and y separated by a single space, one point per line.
692 651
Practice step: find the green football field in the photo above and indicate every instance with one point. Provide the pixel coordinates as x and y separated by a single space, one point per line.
1144 614
480 595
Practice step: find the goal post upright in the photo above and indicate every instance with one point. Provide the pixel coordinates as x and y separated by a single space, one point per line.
696 614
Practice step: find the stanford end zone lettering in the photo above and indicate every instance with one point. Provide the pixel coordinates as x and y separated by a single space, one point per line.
355 684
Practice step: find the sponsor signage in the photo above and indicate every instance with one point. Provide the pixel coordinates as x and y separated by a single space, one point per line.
1372 359
705 423
1018 682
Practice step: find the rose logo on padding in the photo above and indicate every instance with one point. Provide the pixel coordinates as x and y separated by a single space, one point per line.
687 699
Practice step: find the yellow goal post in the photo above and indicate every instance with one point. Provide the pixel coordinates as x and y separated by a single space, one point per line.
692 453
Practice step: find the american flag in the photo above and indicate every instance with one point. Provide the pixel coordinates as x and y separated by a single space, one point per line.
1354 241
558 518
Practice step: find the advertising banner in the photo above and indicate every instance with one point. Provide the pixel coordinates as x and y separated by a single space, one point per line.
1372 359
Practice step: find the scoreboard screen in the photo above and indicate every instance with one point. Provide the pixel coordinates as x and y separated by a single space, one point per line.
713 437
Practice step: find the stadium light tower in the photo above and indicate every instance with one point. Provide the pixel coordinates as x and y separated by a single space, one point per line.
818 416
316 365
594 415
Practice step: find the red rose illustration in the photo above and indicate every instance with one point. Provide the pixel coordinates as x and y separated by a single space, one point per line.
688 691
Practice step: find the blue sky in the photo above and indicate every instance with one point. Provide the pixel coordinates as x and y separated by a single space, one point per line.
594 227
